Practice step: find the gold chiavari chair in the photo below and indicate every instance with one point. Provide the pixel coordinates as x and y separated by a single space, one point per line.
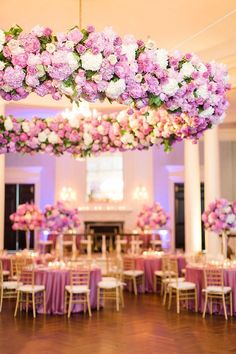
161 275
132 274
78 291
182 290
215 290
29 292
111 287
7 288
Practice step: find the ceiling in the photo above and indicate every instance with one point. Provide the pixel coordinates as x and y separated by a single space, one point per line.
206 27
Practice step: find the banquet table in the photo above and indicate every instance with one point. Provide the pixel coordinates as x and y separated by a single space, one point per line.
55 281
149 264
195 274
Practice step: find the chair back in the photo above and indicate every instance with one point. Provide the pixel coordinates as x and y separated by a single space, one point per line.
114 268
213 276
19 265
128 263
27 277
165 263
80 277
173 269
1 274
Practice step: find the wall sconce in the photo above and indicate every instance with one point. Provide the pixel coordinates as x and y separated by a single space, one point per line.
67 194
140 193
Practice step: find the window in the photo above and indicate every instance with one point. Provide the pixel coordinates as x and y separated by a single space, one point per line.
105 178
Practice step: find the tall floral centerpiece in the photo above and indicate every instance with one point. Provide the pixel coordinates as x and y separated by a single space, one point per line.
152 217
61 218
27 217
220 217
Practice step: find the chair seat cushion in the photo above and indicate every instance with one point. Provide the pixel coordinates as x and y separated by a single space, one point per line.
172 280
133 273
108 279
5 272
217 289
160 273
11 285
31 289
77 289
185 285
112 284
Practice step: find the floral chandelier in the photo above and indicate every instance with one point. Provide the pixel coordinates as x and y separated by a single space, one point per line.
176 96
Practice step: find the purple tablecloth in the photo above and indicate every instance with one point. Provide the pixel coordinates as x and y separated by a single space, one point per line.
195 274
149 264
55 281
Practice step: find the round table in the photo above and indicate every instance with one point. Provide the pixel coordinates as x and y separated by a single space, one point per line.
55 281
195 274
149 264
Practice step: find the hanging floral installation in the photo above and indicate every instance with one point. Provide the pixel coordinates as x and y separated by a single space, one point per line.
178 95
152 217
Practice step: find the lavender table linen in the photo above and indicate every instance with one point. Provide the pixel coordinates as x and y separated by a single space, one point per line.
195 274
55 281
149 264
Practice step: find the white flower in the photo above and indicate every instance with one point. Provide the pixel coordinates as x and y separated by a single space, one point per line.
66 90
129 50
34 60
26 127
70 44
151 119
115 88
134 124
230 219
14 47
38 30
6 88
72 61
97 78
91 61
202 92
100 130
50 48
138 77
207 113
42 137
187 69
161 56
150 44
41 71
112 59
202 68
227 210
2 65
87 139
171 87
8 124
127 138
53 138
2 37
74 122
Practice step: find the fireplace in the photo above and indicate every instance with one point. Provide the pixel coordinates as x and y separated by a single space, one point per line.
108 228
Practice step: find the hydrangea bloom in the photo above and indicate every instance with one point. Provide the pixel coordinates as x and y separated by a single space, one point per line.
60 218
27 217
152 217
220 216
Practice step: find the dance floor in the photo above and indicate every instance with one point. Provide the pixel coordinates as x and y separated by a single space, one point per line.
143 327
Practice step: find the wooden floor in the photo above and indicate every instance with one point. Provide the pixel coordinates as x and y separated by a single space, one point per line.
144 327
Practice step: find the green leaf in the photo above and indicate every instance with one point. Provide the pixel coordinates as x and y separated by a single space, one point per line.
177 110
89 74
14 31
155 101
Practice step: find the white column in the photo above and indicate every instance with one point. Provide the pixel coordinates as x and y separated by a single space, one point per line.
2 188
192 198
211 182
